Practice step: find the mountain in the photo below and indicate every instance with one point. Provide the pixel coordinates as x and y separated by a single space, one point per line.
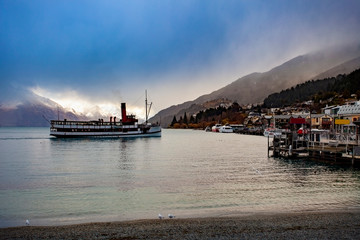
325 90
166 116
255 87
252 88
344 68
34 112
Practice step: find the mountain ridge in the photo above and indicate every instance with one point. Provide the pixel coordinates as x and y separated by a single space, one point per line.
34 111
255 87
249 89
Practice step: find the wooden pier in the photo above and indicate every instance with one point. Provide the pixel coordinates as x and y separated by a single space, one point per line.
290 145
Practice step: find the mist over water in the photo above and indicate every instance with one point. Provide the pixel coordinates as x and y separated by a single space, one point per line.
186 173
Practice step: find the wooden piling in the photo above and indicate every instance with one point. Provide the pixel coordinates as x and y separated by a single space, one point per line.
268 145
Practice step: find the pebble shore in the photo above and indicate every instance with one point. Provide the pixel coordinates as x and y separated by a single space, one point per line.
308 225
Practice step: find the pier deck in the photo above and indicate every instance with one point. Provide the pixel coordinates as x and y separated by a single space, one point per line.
340 154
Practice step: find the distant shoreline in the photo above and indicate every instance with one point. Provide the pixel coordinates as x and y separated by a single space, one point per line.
337 224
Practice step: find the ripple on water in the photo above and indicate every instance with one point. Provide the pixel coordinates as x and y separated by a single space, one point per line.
187 173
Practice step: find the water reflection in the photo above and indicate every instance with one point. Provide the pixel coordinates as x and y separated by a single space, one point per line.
125 154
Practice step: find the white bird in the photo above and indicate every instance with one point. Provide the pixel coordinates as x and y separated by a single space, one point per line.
171 215
160 216
257 171
27 222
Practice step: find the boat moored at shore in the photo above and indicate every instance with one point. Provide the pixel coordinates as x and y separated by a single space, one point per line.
226 129
271 132
216 128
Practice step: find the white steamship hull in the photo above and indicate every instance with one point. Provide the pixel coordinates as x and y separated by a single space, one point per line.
91 131
128 126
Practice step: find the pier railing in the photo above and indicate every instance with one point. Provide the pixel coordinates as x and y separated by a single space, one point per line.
346 138
339 148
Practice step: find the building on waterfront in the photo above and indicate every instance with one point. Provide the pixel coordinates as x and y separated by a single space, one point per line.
350 111
320 121
331 110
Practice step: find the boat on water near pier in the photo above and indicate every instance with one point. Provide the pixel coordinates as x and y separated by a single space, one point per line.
226 129
128 126
271 132
220 128
216 128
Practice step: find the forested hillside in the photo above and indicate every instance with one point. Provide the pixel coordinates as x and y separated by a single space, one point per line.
350 83
255 87
316 90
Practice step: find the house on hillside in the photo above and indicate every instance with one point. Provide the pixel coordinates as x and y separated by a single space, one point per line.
255 121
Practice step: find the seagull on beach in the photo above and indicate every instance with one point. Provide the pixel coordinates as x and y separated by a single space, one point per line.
160 216
27 222
171 215
257 171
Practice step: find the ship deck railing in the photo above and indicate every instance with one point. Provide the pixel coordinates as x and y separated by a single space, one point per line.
57 123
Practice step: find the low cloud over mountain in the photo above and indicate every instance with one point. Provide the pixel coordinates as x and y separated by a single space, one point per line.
255 87
22 107
33 110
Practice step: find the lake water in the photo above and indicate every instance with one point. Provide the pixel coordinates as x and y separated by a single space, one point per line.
186 173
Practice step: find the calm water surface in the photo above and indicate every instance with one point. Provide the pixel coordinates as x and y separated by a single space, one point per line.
187 173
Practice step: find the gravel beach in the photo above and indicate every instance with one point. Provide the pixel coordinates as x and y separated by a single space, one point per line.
308 225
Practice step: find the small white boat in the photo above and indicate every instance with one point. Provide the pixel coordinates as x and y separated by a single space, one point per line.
271 132
226 129
216 128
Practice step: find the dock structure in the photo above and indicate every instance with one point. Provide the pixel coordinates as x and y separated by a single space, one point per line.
320 146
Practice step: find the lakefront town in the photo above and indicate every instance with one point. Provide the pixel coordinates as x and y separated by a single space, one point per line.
323 125
320 127
179 120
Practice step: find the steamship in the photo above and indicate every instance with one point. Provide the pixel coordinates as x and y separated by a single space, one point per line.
128 126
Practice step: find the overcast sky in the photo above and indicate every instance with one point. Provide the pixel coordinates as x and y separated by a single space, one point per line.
106 52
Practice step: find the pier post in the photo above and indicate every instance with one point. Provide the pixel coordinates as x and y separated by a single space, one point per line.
335 152
268 145
353 159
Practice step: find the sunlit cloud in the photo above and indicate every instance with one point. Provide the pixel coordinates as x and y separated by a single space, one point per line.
71 100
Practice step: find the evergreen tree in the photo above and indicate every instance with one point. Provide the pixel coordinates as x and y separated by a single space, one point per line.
185 118
173 121
192 119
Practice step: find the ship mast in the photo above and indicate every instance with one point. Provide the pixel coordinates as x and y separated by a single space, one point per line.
146 104
146 108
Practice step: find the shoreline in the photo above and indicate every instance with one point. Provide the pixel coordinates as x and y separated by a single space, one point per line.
337 224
